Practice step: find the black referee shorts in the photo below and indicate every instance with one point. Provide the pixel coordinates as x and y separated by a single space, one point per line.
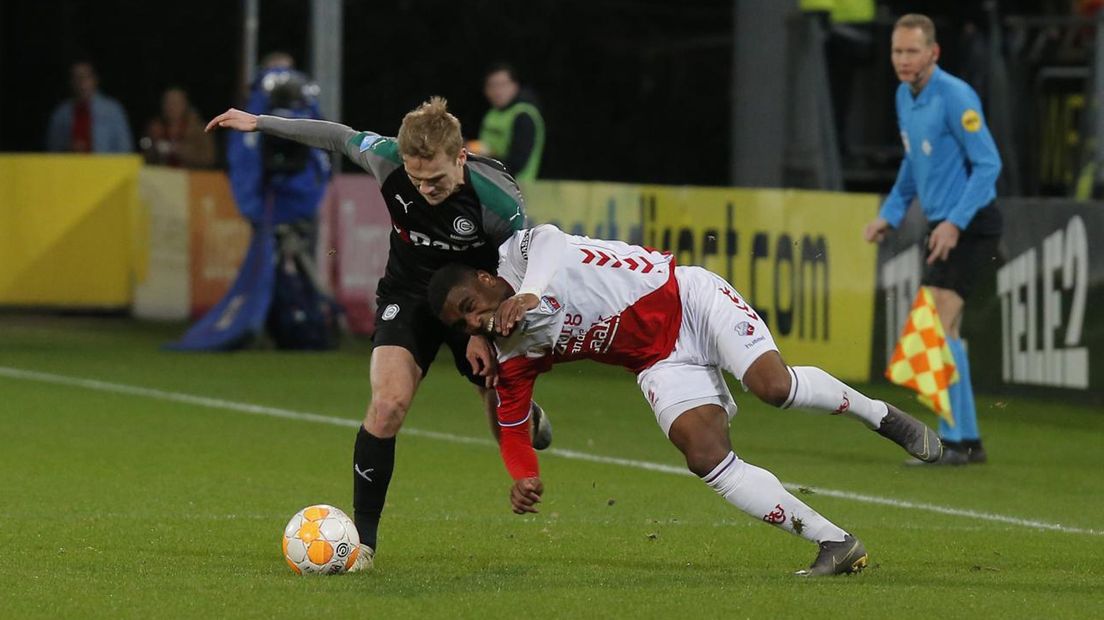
407 322
976 255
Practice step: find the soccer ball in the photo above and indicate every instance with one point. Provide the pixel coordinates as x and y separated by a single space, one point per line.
320 539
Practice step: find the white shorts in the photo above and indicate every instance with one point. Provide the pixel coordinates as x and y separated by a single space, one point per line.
719 331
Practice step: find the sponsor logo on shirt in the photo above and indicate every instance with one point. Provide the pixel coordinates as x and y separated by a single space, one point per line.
417 238
596 340
368 141
525 239
971 121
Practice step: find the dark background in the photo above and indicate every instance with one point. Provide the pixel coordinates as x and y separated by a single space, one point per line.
630 90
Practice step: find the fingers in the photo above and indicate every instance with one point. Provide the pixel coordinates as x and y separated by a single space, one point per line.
522 504
939 252
512 311
221 120
525 495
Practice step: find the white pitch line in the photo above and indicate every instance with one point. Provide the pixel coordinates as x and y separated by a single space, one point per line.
287 414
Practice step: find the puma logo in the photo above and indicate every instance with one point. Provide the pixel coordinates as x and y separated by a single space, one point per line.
406 205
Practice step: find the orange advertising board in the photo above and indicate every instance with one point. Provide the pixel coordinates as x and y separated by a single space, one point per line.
218 237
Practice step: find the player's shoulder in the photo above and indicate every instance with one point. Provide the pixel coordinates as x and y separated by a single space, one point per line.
370 143
495 188
954 89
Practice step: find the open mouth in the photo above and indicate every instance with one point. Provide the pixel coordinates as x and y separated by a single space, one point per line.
489 327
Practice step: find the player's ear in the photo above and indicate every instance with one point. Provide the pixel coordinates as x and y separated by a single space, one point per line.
462 157
935 52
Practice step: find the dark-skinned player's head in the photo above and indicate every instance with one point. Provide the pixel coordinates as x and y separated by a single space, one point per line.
432 150
465 298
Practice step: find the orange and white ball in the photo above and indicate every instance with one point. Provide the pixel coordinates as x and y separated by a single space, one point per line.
320 539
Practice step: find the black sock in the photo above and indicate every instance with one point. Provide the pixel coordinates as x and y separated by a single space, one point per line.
373 464
971 444
954 445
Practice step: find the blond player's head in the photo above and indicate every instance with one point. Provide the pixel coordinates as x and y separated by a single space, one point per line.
432 150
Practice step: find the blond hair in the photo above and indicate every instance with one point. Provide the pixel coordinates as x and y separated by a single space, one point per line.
430 129
916 20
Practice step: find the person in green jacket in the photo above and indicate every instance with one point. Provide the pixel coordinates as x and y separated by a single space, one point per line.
513 129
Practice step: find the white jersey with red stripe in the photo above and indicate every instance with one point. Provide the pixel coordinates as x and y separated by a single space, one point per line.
608 301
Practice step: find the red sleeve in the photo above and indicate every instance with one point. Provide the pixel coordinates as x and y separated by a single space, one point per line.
516 377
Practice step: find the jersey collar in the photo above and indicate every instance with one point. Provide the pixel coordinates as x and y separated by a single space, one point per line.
925 95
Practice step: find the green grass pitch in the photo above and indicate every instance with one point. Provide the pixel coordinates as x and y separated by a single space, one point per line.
122 503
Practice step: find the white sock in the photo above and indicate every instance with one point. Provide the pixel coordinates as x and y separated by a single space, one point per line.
758 492
812 388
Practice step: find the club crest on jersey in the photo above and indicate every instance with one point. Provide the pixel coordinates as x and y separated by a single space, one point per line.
390 312
463 226
744 328
548 305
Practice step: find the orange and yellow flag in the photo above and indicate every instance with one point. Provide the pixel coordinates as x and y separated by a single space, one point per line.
922 360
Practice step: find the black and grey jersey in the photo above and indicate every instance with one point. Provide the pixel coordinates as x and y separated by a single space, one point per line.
467 227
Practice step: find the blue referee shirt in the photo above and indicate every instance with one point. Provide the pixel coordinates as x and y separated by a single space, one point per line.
950 159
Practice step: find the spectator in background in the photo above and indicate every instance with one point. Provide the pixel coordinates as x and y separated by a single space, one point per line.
176 136
951 163
90 122
513 129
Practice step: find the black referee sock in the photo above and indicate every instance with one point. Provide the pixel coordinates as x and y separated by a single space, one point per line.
373 464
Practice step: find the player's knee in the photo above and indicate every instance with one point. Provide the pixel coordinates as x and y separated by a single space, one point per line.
772 388
386 415
769 379
703 459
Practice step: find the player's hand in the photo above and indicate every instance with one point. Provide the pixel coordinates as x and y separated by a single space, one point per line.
526 494
511 311
875 231
233 119
481 356
941 241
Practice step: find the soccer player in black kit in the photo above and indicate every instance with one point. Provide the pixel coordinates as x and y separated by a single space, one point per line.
446 206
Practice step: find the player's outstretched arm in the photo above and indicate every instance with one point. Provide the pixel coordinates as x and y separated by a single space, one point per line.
234 119
317 134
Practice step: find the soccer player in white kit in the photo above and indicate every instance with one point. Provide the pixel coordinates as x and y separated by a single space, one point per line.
560 298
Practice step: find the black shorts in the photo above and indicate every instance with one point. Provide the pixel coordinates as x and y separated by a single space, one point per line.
407 322
976 255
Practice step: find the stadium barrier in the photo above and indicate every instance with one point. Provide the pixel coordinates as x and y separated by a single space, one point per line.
792 254
1029 325
72 231
797 256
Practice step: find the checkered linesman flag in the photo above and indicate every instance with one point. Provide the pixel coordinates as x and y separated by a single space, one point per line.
922 360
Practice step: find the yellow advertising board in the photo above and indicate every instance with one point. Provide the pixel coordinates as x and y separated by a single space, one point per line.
797 256
71 230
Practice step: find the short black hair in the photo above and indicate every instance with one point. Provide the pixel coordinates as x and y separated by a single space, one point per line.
495 67
443 281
